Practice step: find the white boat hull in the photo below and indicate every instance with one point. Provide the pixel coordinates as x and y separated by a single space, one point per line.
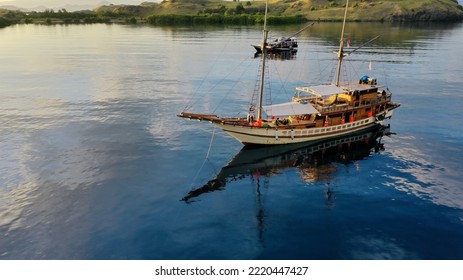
277 136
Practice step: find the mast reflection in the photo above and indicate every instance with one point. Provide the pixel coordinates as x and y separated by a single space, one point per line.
314 160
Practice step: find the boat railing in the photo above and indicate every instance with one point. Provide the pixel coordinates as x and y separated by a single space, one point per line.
334 108
346 107
381 99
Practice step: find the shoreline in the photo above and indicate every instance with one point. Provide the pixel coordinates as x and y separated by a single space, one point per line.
192 21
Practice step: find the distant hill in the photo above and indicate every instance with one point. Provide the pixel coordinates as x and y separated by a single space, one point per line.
69 5
239 12
324 10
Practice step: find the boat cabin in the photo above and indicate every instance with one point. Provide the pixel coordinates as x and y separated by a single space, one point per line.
349 93
330 104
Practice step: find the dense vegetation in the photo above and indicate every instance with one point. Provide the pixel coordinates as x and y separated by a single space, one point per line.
241 19
4 22
170 12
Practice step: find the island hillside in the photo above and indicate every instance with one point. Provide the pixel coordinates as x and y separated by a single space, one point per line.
324 10
170 12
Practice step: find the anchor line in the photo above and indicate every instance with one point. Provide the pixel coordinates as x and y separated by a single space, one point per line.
205 159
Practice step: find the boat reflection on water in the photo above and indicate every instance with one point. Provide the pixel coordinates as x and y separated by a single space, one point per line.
311 159
283 55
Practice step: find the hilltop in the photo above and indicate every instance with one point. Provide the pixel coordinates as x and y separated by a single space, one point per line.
324 10
68 5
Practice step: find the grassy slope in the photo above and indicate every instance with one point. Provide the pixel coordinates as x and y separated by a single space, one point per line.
362 10
374 10
365 10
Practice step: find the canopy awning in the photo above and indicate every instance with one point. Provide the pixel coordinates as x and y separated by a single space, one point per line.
323 90
289 109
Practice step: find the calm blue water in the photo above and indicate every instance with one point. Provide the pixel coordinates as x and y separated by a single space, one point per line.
94 163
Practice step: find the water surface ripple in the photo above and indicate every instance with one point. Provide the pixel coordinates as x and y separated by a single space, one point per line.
96 165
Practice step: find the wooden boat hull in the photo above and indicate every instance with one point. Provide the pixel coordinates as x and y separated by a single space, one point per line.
273 50
249 135
275 136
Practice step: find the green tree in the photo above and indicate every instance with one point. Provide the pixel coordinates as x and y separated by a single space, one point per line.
240 9
132 20
4 22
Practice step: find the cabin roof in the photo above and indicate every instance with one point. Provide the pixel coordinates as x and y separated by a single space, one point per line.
355 86
323 90
329 90
289 109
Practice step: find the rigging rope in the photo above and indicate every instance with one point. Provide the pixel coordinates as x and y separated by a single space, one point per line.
205 159
190 102
283 82
210 144
385 76
232 87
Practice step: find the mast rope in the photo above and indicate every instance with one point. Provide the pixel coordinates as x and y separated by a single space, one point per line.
267 85
210 143
191 100
232 87
205 159
385 76
305 61
281 81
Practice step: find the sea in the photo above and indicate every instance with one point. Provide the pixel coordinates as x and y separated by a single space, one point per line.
96 165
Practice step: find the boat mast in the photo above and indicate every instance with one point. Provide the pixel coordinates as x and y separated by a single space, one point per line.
341 46
264 54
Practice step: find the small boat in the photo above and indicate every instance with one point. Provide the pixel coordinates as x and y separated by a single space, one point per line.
279 45
282 44
315 112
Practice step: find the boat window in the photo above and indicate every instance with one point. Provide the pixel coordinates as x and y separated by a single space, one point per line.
302 94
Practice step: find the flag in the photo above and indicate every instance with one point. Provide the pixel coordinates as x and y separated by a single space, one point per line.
348 42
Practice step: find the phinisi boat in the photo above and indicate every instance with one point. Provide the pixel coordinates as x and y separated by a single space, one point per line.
282 44
315 112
